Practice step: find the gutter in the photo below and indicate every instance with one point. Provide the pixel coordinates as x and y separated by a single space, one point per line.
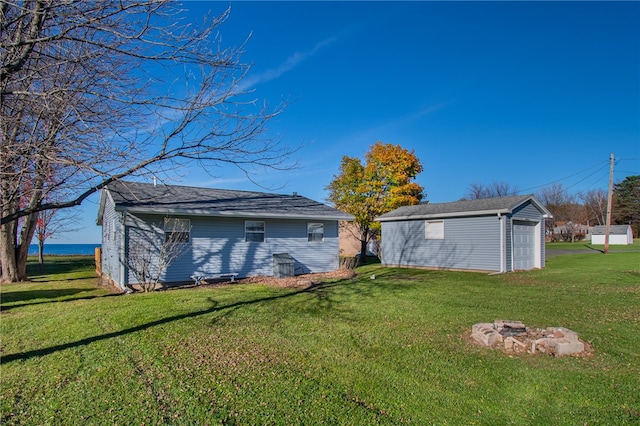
236 214
444 215
122 251
503 254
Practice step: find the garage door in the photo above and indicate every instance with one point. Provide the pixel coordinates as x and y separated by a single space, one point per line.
524 245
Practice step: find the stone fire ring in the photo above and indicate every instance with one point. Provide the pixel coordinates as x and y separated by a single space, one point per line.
515 337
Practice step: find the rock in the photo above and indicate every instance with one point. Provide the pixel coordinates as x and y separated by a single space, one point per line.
485 333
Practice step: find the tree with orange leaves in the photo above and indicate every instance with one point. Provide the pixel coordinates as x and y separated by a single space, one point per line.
385 182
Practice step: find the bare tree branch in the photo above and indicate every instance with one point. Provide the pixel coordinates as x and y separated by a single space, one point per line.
93 92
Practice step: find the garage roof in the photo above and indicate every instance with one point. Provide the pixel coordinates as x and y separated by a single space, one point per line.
486 206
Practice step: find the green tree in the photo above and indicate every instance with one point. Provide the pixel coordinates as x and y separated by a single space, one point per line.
626 208
383 183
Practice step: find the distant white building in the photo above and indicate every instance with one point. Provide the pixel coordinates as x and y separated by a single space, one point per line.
618 234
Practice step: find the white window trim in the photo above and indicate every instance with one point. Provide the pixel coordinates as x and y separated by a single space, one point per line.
434 229
171 224
263 232
318 225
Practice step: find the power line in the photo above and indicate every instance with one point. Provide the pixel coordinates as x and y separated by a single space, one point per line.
602 165
581 180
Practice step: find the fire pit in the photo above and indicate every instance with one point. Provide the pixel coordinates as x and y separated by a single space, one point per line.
515 337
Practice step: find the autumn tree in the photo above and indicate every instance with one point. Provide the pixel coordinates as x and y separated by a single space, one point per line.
626 206
95 91
384 182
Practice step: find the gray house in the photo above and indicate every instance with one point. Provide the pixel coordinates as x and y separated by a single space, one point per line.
222 231
494 234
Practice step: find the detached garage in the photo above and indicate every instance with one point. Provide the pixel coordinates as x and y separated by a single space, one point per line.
494 234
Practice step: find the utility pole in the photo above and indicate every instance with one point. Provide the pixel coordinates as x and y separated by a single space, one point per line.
609 204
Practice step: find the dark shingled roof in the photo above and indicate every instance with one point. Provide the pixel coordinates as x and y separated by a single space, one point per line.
461 208
187 200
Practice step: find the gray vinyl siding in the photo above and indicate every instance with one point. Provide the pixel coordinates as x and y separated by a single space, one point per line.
469 243
526 211
111 242
217 246
508 243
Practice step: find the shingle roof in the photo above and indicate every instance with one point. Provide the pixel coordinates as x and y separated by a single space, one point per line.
461 208
614 230
187 200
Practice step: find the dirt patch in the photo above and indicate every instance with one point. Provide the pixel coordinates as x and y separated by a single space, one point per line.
299 281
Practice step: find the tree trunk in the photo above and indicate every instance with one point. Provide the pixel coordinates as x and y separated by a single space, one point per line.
363 252
14 254
40 253
8 254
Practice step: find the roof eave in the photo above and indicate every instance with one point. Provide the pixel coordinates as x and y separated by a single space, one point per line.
239 214
103 197
445 215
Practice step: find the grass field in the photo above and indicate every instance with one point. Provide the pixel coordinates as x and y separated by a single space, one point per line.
586 245
394 350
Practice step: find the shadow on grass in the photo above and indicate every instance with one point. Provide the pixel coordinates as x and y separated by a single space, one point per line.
19 299
593 248
59 265
25 296
318 290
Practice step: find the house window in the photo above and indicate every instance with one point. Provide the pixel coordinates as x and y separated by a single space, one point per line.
434 229
315 232
177 230
254 231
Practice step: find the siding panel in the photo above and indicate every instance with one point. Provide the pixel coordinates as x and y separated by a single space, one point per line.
217 245
469 243
111 242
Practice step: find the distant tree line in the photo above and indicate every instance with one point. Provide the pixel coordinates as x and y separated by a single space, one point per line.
574 211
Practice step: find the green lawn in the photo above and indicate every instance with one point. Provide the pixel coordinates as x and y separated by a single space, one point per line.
586 245
392 350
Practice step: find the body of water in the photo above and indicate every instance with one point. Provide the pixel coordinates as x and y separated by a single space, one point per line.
64 249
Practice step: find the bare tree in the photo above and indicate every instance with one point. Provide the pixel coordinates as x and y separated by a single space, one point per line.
91 92
153 248
51 223
479 191
595 201
566 210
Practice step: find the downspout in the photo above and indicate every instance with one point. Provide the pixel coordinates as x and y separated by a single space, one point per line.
511 238
502 245
123 253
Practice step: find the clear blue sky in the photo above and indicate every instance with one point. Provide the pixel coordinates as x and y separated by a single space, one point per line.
522 92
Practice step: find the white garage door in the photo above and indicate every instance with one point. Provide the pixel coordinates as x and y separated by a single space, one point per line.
524 245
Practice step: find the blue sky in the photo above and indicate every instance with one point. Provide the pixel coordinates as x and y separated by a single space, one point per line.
527 93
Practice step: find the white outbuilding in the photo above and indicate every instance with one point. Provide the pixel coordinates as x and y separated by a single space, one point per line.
618 234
